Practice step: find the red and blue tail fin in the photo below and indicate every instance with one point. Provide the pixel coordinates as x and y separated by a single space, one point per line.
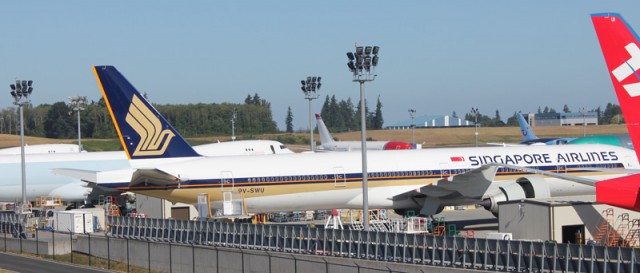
143 132
620 47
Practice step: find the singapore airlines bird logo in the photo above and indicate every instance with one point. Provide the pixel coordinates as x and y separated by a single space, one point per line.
153 139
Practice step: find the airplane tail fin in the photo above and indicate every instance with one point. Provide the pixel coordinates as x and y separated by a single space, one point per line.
619 44
525 130
325 136
143 132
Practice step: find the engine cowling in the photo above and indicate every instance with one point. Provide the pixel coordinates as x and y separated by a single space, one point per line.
523 188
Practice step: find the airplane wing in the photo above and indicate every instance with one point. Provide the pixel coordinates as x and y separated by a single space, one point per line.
623 171
504 144
473 187
460 189
150 176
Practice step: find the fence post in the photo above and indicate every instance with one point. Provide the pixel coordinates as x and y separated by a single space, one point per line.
193 258
127 238
268 254
149 255
89 235
108 253
37 244
20 236
53 242
71 245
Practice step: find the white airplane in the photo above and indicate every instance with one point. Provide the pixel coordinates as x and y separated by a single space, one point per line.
328 144
166 167
42 149
530 138
42 182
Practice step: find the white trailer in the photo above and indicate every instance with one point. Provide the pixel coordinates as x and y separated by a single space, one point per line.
73 221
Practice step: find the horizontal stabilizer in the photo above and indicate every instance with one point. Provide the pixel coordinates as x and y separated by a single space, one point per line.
144 177
622 192
84 175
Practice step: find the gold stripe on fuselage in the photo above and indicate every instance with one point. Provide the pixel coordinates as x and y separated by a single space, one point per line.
186 194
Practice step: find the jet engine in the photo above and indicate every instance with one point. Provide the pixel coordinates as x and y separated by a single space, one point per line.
523 188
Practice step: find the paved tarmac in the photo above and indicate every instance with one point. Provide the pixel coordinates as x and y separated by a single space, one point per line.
18 263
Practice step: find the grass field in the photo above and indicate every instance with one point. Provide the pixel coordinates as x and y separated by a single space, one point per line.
432 137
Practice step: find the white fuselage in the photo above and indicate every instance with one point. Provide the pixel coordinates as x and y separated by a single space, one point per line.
334 180
41 181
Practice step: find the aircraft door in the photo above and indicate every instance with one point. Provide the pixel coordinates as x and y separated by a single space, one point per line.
226 181
627 161
339 178
444 170
561 169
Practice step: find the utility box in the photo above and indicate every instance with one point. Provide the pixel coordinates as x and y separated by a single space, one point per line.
99 218
73 221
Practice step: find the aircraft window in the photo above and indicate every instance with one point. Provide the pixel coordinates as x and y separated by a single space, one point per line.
282 147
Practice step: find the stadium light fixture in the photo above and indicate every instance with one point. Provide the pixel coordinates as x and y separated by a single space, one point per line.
234 116
475 113
412 114
20 91
310 87
76 103
362 64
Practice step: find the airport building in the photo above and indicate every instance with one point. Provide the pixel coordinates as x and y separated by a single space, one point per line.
576 219
432 121
562 119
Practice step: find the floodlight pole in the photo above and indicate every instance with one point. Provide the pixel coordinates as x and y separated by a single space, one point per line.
475 112
584 121
76 102
362 64
412 113
20 92
234 115
309 87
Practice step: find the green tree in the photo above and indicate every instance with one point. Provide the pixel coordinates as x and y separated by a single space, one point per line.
289 120
566 109
58 123
497 121
378 120
610 112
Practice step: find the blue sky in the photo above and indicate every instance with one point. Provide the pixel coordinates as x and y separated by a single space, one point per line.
435 57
